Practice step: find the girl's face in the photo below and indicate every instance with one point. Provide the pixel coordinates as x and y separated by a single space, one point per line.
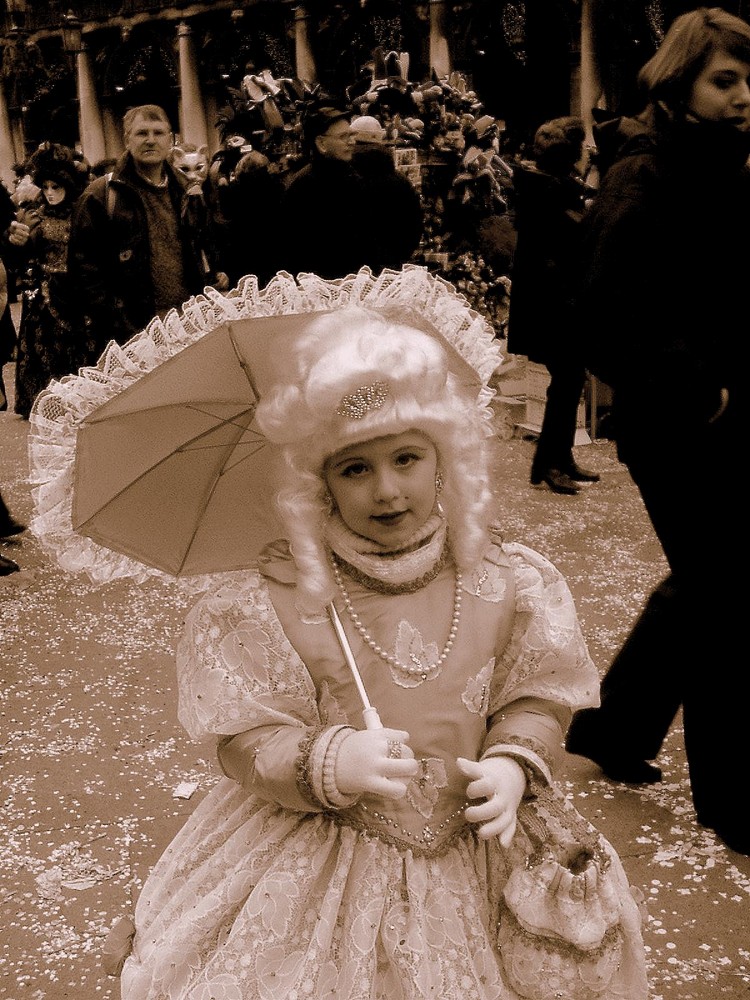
384 489
53 192
721 92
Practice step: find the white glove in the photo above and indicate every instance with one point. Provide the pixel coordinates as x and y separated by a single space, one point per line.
501 781
367 762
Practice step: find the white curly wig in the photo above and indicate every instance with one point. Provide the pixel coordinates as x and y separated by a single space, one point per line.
419 385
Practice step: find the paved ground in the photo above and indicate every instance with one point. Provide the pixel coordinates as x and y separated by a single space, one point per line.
92 755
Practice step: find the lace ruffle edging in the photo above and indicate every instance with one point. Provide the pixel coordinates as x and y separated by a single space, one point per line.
65 403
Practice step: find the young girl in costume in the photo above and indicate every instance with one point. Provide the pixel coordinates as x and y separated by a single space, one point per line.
340 857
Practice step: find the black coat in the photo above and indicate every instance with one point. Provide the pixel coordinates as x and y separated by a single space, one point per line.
336 219
545 270
109 257
666 259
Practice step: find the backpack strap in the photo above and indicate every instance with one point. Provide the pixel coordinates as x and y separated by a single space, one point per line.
110 195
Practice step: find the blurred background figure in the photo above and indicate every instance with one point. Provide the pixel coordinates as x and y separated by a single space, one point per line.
392 213
9 528
7 285
134 250
251 231
38 238
324 203
550 200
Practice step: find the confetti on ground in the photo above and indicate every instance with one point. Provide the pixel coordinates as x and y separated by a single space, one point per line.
93 756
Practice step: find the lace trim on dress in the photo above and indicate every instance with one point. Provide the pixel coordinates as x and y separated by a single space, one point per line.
303 774
432 846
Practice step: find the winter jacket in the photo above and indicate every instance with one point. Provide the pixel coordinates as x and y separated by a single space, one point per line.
109 257
337 219
663 304
545 269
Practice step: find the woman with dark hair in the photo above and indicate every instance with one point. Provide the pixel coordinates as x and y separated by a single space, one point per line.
40 235
663 311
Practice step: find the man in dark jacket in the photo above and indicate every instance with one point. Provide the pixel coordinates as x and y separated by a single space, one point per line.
346 209
133 252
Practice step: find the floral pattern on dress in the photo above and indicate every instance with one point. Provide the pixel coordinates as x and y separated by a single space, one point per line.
331 713
258 897
476 695
423 790
488 582
411 650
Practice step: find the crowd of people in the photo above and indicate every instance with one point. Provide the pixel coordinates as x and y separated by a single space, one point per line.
345 856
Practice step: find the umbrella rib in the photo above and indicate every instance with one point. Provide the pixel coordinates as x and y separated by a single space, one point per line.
243 364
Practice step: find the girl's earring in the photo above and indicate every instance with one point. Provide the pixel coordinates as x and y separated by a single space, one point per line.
328 502
438 491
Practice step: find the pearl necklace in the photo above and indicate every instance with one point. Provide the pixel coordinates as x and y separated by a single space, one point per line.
415 668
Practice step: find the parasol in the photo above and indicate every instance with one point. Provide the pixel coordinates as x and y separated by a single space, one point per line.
152 462
172 471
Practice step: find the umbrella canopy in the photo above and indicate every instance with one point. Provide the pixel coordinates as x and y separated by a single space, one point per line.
173 471
152 463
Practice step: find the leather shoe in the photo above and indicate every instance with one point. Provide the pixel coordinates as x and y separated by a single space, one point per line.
9 527
7 566
737 840
557 481
579 475
617 767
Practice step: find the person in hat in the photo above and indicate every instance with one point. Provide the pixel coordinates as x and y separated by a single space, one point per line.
38 240
363 853
392 212
323 202
339 213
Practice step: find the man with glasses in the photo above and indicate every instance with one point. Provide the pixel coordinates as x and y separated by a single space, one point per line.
333 218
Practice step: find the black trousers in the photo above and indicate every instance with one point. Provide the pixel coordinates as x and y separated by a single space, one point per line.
557 435
686 647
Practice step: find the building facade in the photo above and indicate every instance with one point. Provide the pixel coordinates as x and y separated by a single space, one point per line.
70 68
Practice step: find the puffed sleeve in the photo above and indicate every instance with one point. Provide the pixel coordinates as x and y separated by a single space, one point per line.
243 686
545 672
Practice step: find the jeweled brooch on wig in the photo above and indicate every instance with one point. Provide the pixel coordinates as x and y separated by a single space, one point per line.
368 397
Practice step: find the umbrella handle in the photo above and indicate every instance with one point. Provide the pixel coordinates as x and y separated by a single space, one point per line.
369 713
372 719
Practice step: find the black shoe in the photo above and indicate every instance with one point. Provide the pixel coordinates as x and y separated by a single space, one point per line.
7 566
630 770
556 480
735 840
9 527
579 475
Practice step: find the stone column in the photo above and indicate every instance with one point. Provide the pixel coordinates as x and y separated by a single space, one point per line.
7 150
440 58
90 122
305 63
192 115
590 89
